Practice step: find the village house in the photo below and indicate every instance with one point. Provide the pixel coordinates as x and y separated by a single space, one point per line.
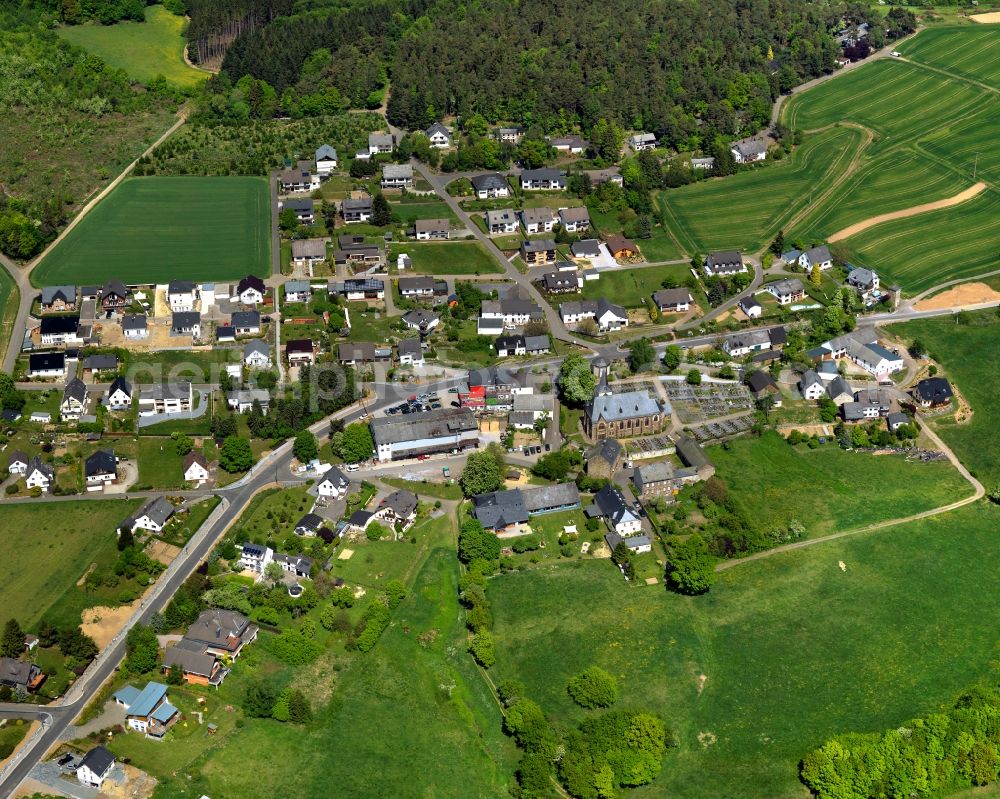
325 160
46 364
119 395
729 262
432 229
95 767
297 290
659 479
543 180
751 307
251 290
606 315
703 163
356 210
242 400
100 469
786 291
166 398
397 176
538 220
806 260
359 288
58 298
811 385
535 252
574 220
195 468
513 312
299 178
932 392
501 221
305 212
416 288
134 326
257 355
610 505
381 143
439 135
509 135
246 323
746 151
491 186
598 177
308 253
585 249
352 354
840 391
560 282
862 280
605 458
20 675
572 144
299 352
642 141
421 320
409 352
692 455
94 365
621 247
736 345
309 525
862 349
673 300
333 485
868 403
186 323
762 386
113 296
74 401
182 295
147 711
296 565
509 346
39 474
59 330
17 463
153 516
398 510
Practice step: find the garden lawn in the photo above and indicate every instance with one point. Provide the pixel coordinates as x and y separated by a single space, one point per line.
143 49
833 489
55 543
745 211
409 212
633 288
199 365
960 350
793 649
364 325
447 258
272 513
153 230
426 489
921 251
159 464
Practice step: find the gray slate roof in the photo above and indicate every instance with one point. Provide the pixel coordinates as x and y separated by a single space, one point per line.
629 405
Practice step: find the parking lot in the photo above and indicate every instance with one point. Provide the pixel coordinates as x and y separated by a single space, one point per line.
424 401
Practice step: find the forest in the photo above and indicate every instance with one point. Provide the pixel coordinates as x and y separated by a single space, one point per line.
684 70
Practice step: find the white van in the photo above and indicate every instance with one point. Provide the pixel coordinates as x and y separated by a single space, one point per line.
352 467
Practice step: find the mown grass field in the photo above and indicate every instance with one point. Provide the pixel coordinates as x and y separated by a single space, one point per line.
972 52
55 542
904 180
960 349
746 211
447 258
833 490
157 229
924 250
409 212
199 365
143 49
793 649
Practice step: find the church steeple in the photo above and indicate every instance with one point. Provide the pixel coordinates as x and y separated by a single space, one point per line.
599 366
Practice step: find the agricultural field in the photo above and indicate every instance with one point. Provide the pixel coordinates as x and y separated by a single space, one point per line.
882 186
156 229
899 101
971 52
759 202
447 258
968 145
922 251
959 348
9 302
143 49
837 490
67 550
780 655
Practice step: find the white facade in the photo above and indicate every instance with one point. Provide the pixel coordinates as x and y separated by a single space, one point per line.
38 479
182 300
196 473
251 296
119 400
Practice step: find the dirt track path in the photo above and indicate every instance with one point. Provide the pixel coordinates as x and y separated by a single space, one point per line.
914 210
978 493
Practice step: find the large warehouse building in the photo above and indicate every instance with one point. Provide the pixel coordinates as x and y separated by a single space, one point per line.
444 430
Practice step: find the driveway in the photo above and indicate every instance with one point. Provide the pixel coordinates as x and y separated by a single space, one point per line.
156 418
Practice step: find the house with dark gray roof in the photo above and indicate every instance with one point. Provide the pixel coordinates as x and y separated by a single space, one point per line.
673 300
625 415
657 480
605 458
119 394
95 767
490 186
154 515
186 323
505 510
637 544
399 508
20 674
334 483
726 262
933 392
543 180
102 362
59 298
609 504
693 454
47 364
100 469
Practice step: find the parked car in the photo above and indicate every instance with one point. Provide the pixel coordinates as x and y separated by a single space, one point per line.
424 457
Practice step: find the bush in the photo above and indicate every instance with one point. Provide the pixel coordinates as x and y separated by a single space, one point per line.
526 543
482 649
375 620
593 687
